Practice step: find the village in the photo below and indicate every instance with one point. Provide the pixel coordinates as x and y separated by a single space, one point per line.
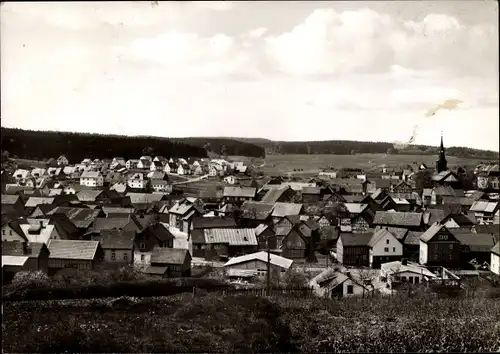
355 232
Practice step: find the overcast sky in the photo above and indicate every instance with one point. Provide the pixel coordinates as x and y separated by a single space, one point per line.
279 70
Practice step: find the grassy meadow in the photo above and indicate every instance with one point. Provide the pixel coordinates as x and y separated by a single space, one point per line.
249 324
312 164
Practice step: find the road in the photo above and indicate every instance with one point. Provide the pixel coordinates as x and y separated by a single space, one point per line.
191 180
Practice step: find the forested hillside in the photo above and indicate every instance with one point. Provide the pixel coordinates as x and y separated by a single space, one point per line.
225 146
77 146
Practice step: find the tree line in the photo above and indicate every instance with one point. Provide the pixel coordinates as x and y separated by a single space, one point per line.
40 145
225 146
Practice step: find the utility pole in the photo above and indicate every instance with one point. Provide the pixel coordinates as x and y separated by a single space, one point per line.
268 268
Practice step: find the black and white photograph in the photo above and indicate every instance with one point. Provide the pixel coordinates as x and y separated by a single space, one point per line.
250 176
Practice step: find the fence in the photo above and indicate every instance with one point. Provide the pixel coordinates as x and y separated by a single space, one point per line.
291 292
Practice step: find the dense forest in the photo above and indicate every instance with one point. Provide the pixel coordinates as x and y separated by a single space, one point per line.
343 147
225 146
77 146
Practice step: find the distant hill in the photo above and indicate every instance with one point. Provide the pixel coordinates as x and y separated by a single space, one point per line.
40 145
225 146
346 147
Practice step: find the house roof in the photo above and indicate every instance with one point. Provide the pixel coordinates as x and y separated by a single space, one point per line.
461 219
29 249
355 239
213 222
234 237
144 198
182 207
355 208
9 199
476 242
447 176
380 182
496 249
115 239
260 229
484 206
90 174
273 195
243 192
396 267
118 210
398 232
413 238
397 218
311 190
285 209
466 201
81 217
155 270
169 255
41 226
17 261
89 195
109 223
378 235
432 216
448 191
256 210
431 232
261 256
34 201
72 249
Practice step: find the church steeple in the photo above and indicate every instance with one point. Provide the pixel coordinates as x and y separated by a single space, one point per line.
441 163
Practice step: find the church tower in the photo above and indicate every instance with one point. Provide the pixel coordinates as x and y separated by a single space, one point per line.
441 163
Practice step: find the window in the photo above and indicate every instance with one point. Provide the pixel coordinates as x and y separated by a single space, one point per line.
125 256
443 237
142 257
394 249
113 256
410 279
350 289
142 246
417 280
403 279
386 249
3 232
387 241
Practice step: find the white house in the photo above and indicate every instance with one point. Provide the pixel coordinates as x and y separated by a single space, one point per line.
230 180
384 247
215 170
137 181
11 231
156 166
333 283
62 161
184 169
404 272
196 163
144 164
38 172
170 168
39 230
495 259
21 174
86 162
255 264
132 163
484 211
159 185
117 161
92 179
197 170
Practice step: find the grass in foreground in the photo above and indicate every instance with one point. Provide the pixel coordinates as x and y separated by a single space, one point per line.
244 324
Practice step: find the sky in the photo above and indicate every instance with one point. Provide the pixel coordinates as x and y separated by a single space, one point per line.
278 70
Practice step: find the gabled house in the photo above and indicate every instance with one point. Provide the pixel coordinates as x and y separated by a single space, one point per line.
255 264
384 247
116 162
170 262
439 247
332 283
82 218
33 202
311 195
137 181
171 168
359 218
238 194
181 215
411 221
230 179
144 164
215 170
132 163
117 245
252 214
446 178
77 254
266 237
295 242
12 231
156 166
62 161
226 242
21 174
398 272
201 223
474 247
92 179
12 205
353 249
184 169
282 210
439 192
160 186
40 230
484 211
284 195
31 256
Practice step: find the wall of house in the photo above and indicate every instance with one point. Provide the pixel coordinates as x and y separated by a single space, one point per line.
258 265
70 263
142 258
121 256
451 224
424 253
355 255
359 225
405 276
294 245
357 289
495 263
10 235
387 246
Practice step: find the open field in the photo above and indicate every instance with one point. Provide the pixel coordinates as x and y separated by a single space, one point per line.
312 164
248 324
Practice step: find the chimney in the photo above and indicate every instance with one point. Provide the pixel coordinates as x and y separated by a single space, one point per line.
25 248
404 262
41 224
348 274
